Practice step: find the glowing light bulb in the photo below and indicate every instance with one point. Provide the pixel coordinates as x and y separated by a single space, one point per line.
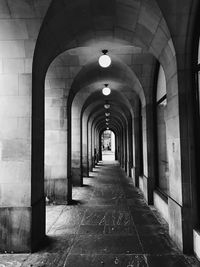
106 91
106 106
104 61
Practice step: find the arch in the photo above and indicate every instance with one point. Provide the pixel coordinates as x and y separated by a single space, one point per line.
156 40
132 31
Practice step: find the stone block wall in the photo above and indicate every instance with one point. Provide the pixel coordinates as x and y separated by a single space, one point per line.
55 139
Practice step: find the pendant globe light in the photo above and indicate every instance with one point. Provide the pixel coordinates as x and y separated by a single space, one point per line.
106 90
106 105
104 60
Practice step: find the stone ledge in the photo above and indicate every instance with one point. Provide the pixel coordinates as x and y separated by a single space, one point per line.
161 204
196 243
141 185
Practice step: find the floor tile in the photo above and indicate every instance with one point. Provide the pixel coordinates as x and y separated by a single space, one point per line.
109 224
143 217
157 244
106 261
167 261
102 244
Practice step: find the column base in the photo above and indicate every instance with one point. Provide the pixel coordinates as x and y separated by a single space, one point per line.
22 229
56 189
196 243
129 167
135 177
90 166
141 186
77 180
180 226
148 190
160 202
85 170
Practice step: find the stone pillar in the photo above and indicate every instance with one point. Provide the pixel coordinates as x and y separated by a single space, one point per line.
92 144
180 123
22 211
125 149
137 150
96 146
15 160
130 149
112 142
149 152
85 171
89 146
100 147
137 143
162 161
122 149
55 139
180 145
76 138
116 146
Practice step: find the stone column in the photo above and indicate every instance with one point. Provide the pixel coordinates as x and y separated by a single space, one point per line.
137 149
84 129
116 145
21 212
130 149
92 144
177 62
76 138
89 146
122 149
55 139
148 152
100 146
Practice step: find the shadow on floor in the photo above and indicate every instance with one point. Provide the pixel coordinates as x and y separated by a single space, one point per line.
108 224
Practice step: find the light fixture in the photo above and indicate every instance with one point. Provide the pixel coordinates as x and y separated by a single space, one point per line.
107 119
107 128
107 114
106 105
104 60
106 123
106 90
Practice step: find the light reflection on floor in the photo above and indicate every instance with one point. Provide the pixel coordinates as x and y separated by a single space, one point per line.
108 155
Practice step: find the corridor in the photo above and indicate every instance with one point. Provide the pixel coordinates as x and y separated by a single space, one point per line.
109 224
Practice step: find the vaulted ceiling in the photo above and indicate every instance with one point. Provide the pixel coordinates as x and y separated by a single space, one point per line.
74 33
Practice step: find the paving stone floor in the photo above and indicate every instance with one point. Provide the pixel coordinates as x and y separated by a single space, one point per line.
108 225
